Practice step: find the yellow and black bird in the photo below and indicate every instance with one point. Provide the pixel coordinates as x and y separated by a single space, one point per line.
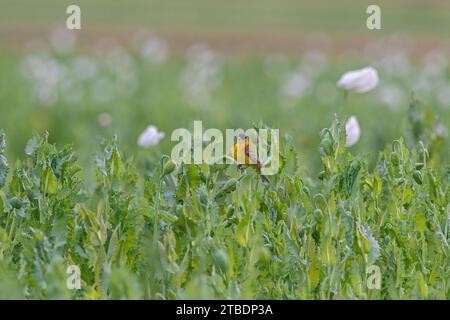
246 155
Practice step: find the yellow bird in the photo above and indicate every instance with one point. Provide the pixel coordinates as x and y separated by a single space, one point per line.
245 154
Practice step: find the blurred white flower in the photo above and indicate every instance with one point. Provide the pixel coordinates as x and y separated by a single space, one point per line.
353 131
395 63
314 62
391 95
84 67
435 62
63 40
154 50
44 74
104 119
150 137
296 85
119 61
202 75
361 81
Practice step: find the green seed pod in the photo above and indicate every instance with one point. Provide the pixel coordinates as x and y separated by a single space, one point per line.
169 167
228 187
318 212
16 203
395 159
305 189
419 165
320 202
327 146
265 255
417 177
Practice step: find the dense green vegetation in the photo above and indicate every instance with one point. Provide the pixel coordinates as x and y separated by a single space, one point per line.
196 231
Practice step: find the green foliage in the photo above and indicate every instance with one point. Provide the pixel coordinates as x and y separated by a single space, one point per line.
3 162
198 231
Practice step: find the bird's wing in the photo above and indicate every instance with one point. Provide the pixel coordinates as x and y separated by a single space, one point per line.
239 151
252 154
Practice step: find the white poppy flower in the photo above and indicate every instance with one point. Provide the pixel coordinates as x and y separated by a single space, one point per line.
361 81
353 131
150 137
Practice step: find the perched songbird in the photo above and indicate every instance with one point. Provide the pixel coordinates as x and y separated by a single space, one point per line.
246 156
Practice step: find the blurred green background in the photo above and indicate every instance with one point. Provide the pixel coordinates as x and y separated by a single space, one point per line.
228 63
236 16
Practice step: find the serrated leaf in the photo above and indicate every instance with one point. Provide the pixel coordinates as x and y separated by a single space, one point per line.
370 244
32 145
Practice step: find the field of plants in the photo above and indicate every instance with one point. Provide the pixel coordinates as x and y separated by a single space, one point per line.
83 182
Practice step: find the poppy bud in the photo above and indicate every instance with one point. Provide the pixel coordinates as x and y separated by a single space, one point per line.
419 165
417 177
16 203
327 146
169 167
228 187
